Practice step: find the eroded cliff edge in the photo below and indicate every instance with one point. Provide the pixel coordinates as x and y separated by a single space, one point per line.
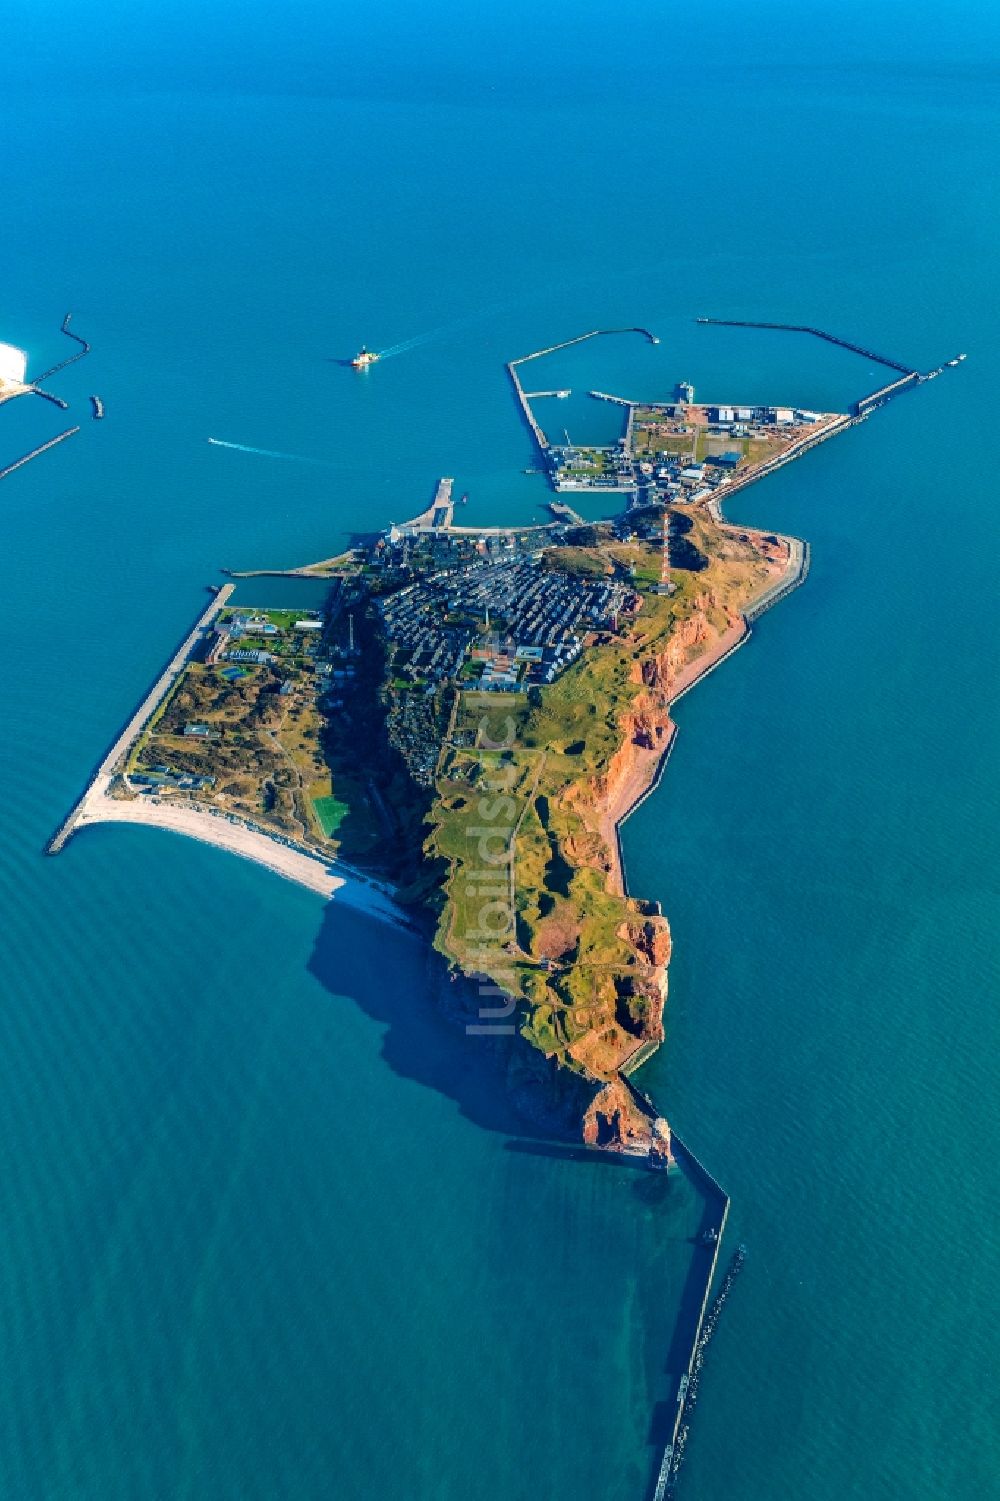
532 908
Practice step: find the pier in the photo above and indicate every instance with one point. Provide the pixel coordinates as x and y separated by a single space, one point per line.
102 777
621 401
536 354
438 515
42 448
523 401
562 512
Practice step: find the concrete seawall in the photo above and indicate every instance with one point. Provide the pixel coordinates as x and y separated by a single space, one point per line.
101 779
657 777
667 1473
798 572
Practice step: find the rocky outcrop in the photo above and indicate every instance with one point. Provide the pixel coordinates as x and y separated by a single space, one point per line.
621 1119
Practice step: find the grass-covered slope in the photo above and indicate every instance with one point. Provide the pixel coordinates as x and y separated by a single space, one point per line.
528 795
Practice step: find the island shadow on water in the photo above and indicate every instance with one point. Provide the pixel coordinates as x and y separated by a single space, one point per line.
394 980
678 1194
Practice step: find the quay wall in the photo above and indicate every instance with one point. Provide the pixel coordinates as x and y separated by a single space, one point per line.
866 404
141 717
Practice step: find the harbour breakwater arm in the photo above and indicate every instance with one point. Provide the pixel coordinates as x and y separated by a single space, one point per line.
42 447
910 375
669 1464
50 396
70 359
817 333
536 354
523 401
101 780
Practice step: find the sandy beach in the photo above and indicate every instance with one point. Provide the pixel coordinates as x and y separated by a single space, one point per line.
326 878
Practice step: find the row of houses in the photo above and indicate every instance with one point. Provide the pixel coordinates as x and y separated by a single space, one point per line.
431 624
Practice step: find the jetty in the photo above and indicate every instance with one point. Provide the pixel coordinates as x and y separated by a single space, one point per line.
438 515
909 375
101 780
42 448
622 401
562 512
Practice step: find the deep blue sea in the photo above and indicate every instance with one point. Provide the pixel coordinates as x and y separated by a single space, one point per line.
268 1230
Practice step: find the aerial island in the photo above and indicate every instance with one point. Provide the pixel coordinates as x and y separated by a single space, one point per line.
455 739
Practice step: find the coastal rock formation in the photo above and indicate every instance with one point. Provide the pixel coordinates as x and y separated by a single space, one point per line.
622 1119
584 963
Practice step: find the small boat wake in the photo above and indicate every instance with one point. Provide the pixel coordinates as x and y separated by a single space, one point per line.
270 453
408 344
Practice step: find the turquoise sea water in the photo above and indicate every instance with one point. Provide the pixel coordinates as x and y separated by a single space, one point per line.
268 1230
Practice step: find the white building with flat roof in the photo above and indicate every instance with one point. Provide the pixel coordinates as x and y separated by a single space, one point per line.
13 365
